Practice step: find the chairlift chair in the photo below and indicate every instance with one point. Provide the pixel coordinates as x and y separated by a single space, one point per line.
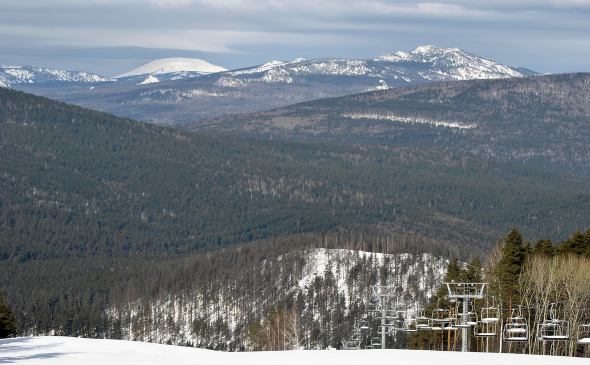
553 329
375 342
351 345
411 325
398 325
485 329
516 328
584 334
472 318
436 326
490 314
356 336
457 321
448 326
364 325
423 322
441 316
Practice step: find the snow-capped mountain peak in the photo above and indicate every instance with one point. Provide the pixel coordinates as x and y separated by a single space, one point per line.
174 65
423 64
15 75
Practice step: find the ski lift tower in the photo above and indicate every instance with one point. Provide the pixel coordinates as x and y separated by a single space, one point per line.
465 292
383 294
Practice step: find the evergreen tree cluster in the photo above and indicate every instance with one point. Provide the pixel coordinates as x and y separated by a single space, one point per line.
7 320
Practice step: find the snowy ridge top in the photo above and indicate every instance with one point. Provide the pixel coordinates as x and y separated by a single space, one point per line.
169 65
267 66
462 65
35 74
423 63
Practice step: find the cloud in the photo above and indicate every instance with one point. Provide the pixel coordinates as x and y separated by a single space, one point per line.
186 39
352 28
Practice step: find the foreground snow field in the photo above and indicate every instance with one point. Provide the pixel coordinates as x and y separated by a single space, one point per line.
69 350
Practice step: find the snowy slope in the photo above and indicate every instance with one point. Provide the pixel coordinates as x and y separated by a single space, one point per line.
418 277
174 65
15 75
69 350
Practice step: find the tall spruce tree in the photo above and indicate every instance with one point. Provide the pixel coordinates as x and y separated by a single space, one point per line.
509 268
7 320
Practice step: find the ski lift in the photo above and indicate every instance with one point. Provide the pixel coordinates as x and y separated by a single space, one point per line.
440 315
458 322
375 342
411 325
516 328
370 308
356 336
423 322
351 345
553 329
398 324
472 318
448 326
584 334
436 326
364 324
383 330
490 314
485 328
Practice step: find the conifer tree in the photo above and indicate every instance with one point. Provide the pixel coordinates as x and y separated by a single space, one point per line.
510 266
578 244
472 273
7 320
544 247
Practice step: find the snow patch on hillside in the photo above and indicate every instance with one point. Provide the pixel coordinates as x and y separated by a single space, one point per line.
149 80
410 120
321 259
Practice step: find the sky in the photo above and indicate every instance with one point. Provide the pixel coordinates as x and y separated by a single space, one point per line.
110 37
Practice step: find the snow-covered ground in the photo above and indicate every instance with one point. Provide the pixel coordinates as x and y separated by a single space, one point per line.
69 350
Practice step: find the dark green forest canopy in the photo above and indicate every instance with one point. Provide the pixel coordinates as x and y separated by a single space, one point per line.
80 182
540 121
95 209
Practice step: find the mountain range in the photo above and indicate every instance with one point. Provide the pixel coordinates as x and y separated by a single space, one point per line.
182 96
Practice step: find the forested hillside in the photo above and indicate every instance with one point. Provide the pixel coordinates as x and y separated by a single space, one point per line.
541 121
89 201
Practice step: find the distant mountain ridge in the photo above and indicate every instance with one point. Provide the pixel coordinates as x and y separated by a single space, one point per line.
541 121
425 62
16 75
182 96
